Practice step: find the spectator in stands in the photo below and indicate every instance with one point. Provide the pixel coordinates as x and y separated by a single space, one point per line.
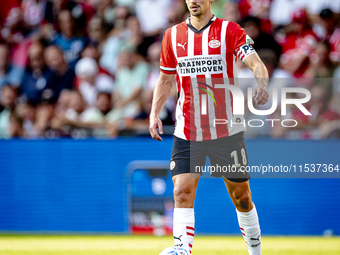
96 115
130 81
259 9
91 81
105 10
116 38
152 24
136 36
298 44
91 51
27 113
7 104
262 40
92 118
321 66
67 40
63 77
97 30
281 11
326 24
38 15
8 73
320 110
231 12
15 128
37 75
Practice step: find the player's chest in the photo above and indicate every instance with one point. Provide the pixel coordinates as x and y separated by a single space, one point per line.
202 44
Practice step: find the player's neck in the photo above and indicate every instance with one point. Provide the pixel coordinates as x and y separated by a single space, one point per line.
201 21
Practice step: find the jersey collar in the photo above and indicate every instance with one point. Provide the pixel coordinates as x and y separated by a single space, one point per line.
201 30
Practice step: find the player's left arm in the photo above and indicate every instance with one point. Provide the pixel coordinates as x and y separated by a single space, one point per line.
260 71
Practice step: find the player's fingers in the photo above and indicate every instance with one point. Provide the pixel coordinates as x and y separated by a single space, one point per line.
258 97
160 127
255 92
154 133
263 99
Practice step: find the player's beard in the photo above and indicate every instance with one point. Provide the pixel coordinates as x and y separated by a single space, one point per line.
196 13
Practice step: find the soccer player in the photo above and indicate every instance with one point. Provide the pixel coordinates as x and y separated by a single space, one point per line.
202 52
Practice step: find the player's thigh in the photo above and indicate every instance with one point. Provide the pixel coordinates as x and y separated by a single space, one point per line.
229 157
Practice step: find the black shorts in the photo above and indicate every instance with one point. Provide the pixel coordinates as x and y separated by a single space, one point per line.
228 157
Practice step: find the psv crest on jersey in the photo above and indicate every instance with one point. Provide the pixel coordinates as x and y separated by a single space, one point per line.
214 44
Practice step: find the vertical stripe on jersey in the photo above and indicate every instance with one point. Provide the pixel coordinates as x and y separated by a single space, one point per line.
224 54
218 111
173 42
174 39
211 106
180 118
195 94
184 103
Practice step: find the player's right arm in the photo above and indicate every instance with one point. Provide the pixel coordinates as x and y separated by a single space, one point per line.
163 86
160 96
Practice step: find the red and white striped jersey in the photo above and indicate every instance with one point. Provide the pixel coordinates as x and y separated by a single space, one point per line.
201 59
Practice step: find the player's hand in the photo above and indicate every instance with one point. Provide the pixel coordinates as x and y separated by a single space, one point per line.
155 123
261 95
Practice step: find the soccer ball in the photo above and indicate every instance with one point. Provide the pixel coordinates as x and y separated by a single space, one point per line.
174 251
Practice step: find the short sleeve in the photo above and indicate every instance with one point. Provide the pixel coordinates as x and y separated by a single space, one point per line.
241 41
168 62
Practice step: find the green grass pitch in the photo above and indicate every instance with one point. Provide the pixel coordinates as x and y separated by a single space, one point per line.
149 245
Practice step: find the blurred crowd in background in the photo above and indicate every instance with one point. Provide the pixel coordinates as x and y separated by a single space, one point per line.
87 68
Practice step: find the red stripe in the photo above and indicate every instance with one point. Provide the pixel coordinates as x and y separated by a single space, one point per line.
205 125
220 109
241 228
191 228
198 44
243 234
190 245
182 38
190 234
188 110
215 34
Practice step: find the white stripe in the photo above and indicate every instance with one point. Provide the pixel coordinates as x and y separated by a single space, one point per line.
223 44
205 38
179 130
195 96
174 39
204 104
168 68
180 119
205 51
